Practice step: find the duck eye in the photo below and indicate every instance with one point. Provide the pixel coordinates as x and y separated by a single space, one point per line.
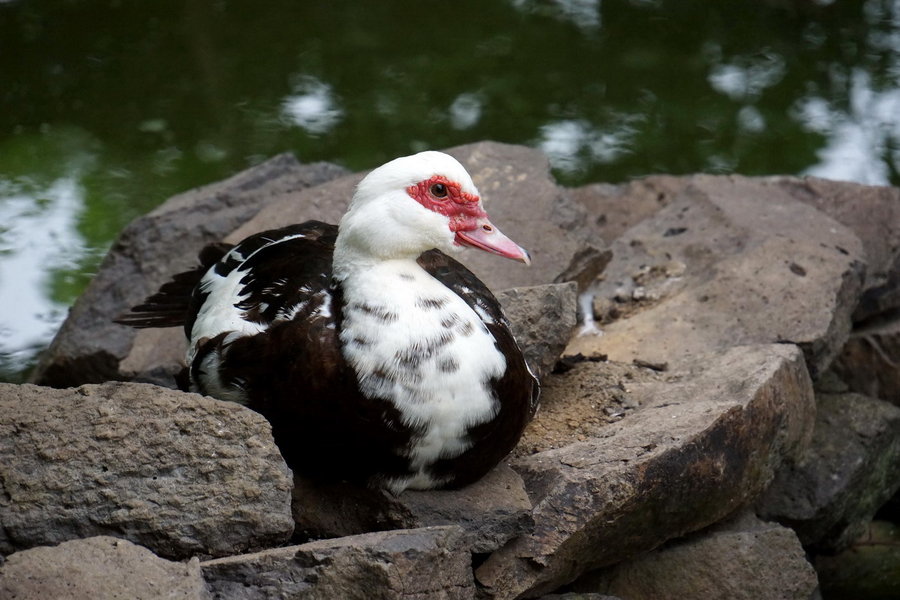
439 190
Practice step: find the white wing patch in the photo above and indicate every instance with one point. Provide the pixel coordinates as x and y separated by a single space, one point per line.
220 313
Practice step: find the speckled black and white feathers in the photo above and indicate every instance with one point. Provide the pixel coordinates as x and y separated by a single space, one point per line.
374 358
351 390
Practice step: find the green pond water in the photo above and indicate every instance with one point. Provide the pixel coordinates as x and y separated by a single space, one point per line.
108 108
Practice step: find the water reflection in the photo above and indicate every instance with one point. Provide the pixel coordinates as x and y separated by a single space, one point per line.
312 106
162 99
573 145
863 143
44 240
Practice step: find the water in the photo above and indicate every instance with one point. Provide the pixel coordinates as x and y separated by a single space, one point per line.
107 108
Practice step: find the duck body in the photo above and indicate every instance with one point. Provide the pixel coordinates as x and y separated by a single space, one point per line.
392 367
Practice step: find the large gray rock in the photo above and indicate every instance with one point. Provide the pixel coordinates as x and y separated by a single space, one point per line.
851 468
415 564
519 192
728 261
490 512
89 347
706 440
742 559
178 473
542 318
98 568
871 212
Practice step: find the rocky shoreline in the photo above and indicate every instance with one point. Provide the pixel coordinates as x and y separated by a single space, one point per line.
736 424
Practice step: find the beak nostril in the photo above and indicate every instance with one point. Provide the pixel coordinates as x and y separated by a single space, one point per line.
487 228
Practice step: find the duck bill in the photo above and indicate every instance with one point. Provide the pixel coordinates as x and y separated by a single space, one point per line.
490 239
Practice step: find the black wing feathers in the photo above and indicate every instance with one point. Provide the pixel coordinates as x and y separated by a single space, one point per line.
171 305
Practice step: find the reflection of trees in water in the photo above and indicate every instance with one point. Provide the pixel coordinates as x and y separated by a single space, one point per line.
166 96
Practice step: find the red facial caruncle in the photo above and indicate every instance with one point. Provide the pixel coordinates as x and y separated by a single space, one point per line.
467 219
445 197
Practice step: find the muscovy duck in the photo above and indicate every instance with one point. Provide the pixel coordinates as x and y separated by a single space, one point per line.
376 357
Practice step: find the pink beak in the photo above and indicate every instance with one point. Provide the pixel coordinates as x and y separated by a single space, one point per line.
490 239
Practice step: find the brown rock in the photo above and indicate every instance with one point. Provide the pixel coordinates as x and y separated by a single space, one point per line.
850 469
98 568
743 559
870 361
178 473
89 347
490 511
542 319
411 564
726 262
705 441
873 214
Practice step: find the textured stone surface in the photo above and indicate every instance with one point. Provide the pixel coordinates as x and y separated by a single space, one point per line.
542 318
178 473
726 261
743 559
89 347
871 212
98 568
490 511
851 468
870 361
411 564
705 441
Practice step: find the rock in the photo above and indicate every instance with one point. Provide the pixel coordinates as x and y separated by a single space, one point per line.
178 473
413 564
851 468
868 569
728 262
740 559
519 194
873 213
98 568
89 347
705 441
578 596
870 361
542 319
490 511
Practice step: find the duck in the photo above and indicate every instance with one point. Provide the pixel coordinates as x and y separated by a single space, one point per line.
375 355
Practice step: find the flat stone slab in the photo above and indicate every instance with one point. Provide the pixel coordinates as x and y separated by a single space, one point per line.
706 440
408 564
871 212
851 468
99 568
489 512
179 473
726 261
739 559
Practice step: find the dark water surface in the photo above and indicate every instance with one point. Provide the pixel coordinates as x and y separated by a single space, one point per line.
107 108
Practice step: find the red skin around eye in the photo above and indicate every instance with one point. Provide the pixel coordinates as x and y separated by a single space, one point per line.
463 208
